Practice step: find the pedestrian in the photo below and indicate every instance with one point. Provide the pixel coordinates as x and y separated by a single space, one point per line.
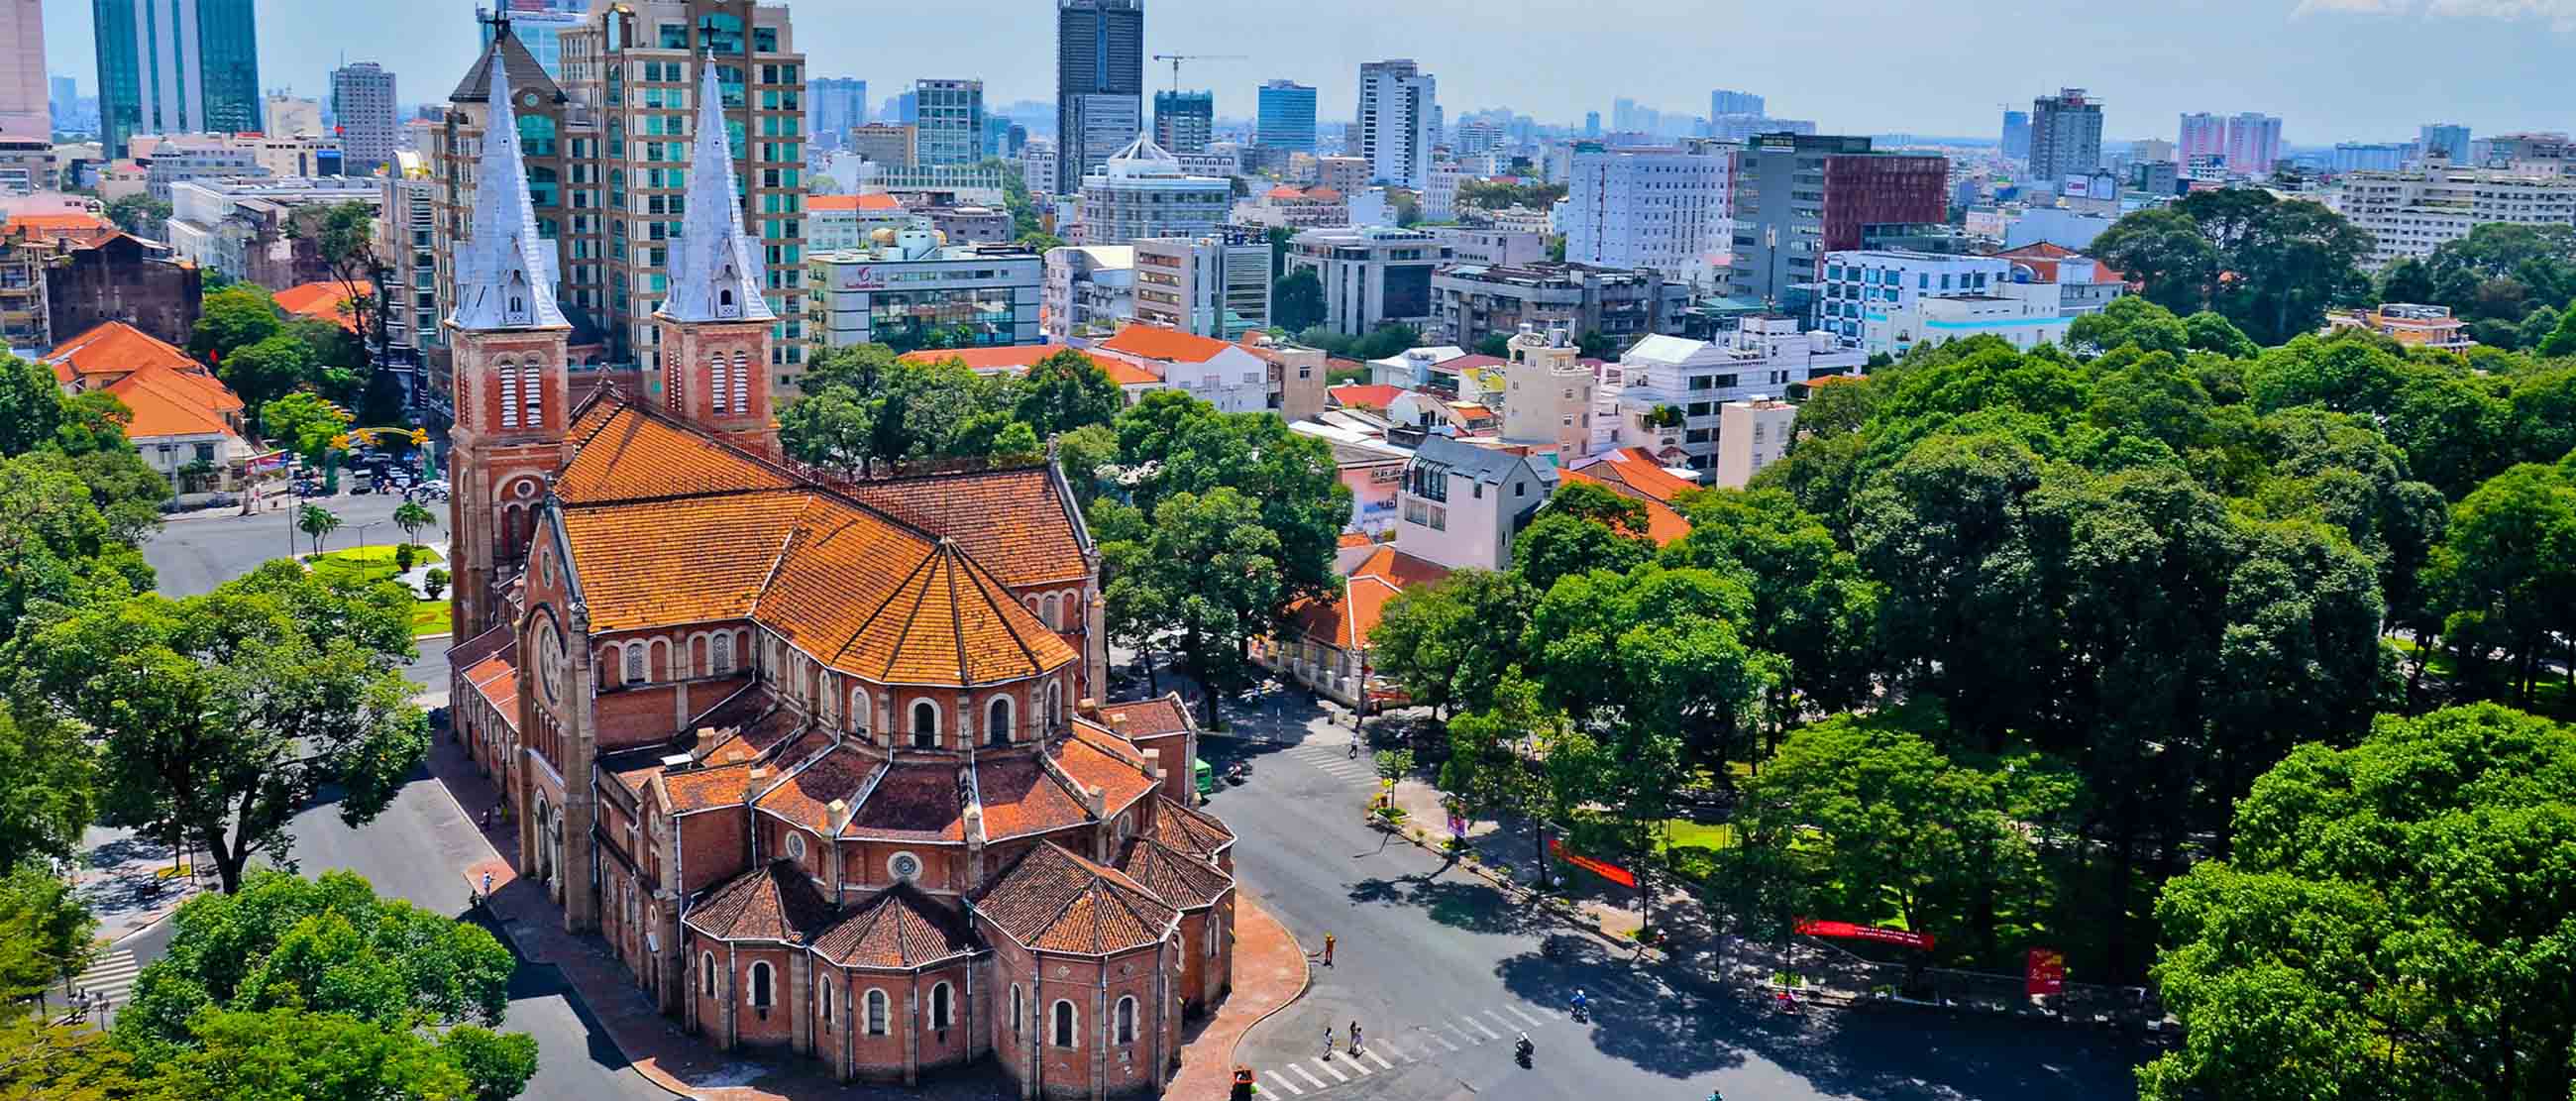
1328 1041
1328 949
1355 749
487 888
1355 1037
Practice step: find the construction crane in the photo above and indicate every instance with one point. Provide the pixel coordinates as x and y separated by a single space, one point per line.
1176 60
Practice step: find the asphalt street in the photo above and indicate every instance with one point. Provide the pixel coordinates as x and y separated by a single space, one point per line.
1442 972
415 849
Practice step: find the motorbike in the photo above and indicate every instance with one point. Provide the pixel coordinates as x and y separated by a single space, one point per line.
1522 1050
1241 772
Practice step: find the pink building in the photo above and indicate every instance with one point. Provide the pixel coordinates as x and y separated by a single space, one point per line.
2253 143
2203 135
23 111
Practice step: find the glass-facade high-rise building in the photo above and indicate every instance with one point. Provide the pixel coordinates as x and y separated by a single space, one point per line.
1099 84
1183 121
175 66
1286 117
834 104
951 120
2448 139
538 25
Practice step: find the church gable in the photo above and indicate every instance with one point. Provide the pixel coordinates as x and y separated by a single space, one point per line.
621 453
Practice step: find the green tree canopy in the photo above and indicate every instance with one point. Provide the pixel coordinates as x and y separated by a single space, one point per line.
237 316
31 405
1297 301
1451 644
2393 923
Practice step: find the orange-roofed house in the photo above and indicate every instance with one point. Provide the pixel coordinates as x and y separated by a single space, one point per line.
1663 524
814 757
186 423
1228 376
1009 359
1634 472
1326 644
323 301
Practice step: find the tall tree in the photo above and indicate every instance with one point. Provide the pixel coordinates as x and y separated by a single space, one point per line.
1065 391
47 936
2165 250
1297 302
2393 923
1811 605
234 317
1498 757
48 786
2506 571
223 715
1208 576
1583 527
344 235
31 405
57 548
1452 644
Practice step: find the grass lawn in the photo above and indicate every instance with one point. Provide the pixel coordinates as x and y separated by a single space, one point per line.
376 563
429 617
1681 834
2549 695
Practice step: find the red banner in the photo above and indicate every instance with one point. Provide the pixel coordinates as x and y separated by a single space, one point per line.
1611 872
2047 971
1847 931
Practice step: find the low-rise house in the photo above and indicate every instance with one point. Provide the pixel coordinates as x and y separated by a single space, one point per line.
1228 376
186 423
1461 505
1326 644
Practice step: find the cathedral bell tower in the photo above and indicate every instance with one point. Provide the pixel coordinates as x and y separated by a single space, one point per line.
507 338
715 324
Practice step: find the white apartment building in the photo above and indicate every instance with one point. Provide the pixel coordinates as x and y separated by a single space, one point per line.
407 244
238 226
913 293
1037 166
1889 300
837 222
1547 394
1440 191
285 116
1090 291
1372 275
1752 434
1142 192
1671 387
1666 209
1459 504
1495 245
1215 286
1399 122
2414 211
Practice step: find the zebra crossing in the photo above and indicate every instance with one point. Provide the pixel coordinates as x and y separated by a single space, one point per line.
110 978
1335 761
1383 1053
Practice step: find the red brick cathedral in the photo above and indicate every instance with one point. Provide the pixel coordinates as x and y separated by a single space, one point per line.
816 757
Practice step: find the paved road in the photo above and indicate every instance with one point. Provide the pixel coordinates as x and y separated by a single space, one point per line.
1443 973
414 850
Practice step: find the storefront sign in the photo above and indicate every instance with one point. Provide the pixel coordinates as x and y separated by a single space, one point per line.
2047 971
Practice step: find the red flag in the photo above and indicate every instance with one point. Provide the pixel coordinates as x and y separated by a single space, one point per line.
2047 971
1848 931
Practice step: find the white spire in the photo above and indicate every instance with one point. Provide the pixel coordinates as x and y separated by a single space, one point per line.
715 270
505 275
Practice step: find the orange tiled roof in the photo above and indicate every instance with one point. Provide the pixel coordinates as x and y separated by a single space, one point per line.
1159 717
165 404
1168 345
80 228
853 202
1175 877
1634 468
688 560
1020 798
1346 620
626 455
706 788
994 515
1374 395
321 302
776 903
115 348
1055 901
1663 525
898 930
496 679
1097 759
1007 357
915 802
804 796
1125 373
1190 831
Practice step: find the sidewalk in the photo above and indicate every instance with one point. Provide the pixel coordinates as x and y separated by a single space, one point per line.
124 878
1269 973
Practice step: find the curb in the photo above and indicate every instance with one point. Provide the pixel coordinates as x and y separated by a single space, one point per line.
1305 982
1560 906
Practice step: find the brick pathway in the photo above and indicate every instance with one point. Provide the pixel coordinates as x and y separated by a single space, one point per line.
1269 973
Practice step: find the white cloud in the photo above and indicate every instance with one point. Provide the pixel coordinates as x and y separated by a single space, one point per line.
2559 14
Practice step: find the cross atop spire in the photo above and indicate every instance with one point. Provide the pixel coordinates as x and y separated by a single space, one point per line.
505 275
715 270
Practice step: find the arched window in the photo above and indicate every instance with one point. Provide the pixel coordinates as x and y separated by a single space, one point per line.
716 385
635 665
1064 1024
760 986
532 387
1049 617
997 722
1127 1020
824 1001
939 1006
741 381
707 973
925 725
1016 1007
1055 704
720 653
510 396
1215 931
876 1022
858 709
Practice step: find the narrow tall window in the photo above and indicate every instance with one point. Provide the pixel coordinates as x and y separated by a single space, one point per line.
509 397
532 386
1064 1024
1016 1007
1126 1020
716 385
876 1013
635 670
925 725
939 1006
720 654
741 382
707 973
997 722
760 986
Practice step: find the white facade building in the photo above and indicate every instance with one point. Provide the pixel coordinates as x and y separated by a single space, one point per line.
1440 192
2414 211
1143 192
1889 300
1460 504
1216 286
1399 122
1691 378
1752 434
916 293
1666 209
285 116
1372 275
1090 290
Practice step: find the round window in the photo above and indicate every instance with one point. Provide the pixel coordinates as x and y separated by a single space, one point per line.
795 846
904 866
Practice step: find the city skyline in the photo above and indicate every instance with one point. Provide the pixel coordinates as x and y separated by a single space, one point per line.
2296 58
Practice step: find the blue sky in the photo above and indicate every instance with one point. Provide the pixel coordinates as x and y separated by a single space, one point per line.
2333 69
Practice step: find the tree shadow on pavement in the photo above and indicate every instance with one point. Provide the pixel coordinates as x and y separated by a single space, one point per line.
1475 906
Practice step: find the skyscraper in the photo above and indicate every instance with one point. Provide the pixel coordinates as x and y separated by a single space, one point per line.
1399 122
1724 102
1099 84
951 114
2450 139
2065 136
538 25
834 104
2253 143
23 93
1183 120
154 77
2201 135
362 100
1287 117
1592 124
2016 143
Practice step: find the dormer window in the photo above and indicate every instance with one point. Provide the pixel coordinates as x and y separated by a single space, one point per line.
725 305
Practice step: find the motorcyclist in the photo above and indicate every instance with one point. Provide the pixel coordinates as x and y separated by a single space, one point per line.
1523 1047
1582 1005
